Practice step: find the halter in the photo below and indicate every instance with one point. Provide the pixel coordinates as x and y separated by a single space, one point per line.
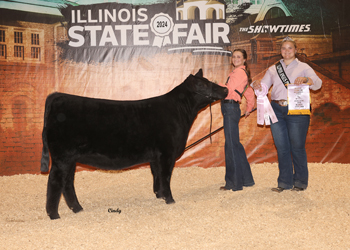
211 115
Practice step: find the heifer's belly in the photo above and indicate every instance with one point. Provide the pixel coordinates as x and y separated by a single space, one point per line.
107 163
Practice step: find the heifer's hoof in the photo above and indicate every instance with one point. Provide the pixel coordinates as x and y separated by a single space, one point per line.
169 200
54 216
159 196
77 209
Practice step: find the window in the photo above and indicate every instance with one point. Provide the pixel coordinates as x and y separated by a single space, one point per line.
2 44
18 37
2 36
2 51
35 53
35 39
20 44
19 51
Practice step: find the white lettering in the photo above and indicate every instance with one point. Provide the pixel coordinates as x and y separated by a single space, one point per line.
108 36
273 29
195 33
257 29
120 14
251 29
93 36
90 20
208 33
293 28
123 29
113 16
73 16
225 29
138 35
307 28
73 35
177 33
100 16
143 16
79 18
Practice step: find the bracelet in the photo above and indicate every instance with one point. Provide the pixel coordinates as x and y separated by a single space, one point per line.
307 79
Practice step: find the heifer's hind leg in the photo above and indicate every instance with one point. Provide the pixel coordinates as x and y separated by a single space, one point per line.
155 178
69 191
162 170
54 190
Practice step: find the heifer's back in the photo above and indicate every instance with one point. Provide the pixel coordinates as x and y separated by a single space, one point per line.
117 134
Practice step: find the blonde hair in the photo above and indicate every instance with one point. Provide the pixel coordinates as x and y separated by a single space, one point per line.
288 39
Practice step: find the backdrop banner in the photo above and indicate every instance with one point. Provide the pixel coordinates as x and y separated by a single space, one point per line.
138 49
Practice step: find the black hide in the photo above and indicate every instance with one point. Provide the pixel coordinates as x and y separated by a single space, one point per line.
118 134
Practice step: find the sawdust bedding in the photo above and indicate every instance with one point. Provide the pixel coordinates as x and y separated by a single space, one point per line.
121 212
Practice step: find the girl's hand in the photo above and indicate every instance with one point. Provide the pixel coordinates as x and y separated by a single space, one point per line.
257 84
303 80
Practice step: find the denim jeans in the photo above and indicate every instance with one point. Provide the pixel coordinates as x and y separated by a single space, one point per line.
238 172
289 135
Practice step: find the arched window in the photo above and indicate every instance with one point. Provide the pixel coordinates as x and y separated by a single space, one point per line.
180 15
211 14
193 13
275 12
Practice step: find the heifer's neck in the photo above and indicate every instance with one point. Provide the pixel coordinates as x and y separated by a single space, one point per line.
188 102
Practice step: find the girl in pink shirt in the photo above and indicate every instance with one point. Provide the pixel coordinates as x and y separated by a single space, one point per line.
238 172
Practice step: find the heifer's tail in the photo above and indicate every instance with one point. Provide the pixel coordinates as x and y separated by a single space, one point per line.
45 157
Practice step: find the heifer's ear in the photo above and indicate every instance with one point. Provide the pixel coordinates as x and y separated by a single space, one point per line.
200 73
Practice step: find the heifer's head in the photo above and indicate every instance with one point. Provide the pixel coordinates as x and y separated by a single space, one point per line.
206 91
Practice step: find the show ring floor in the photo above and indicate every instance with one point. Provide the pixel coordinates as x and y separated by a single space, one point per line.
121 212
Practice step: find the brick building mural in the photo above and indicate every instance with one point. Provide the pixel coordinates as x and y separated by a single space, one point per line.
36 60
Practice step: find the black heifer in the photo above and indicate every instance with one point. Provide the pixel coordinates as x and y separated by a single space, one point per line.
118 134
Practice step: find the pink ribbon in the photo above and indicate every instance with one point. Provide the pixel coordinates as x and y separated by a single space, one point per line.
264 109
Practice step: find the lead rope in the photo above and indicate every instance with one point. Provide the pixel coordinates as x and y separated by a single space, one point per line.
211 121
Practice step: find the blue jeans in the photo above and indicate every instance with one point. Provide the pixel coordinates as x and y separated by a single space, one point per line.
238 172
289 135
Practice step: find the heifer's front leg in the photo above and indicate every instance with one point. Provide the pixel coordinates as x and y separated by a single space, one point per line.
162 170
69 191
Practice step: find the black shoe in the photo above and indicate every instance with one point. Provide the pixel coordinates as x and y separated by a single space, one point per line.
277 189
224 188
298 189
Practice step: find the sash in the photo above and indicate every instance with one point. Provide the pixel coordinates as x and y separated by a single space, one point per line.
264 109
283 76
298 99
298 96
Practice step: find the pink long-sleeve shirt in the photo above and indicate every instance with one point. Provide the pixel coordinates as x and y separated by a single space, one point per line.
294 70
238 80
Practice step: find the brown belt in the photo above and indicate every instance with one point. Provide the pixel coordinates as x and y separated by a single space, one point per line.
282 103
229 101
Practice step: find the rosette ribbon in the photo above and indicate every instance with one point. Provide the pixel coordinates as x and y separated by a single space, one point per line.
264 109
161 25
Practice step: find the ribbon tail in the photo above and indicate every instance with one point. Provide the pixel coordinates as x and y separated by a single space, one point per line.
260 110
271 113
